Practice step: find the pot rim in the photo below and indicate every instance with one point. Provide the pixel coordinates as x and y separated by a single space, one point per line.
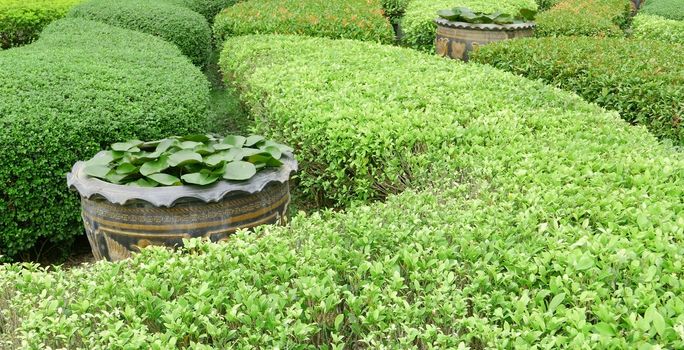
483 26
167 196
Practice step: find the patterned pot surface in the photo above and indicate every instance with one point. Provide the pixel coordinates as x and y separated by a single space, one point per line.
120 220
457 39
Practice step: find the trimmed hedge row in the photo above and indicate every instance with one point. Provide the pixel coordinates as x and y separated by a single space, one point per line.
670 9
79 88
22 20
352 19
549 223
658 28
418 22
207 8
179 25
604 18
394 9
640 79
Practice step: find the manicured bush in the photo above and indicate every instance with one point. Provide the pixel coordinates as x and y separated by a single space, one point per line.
353 19
207 8
179 25
658 28
670 9
638 78
604 18
394 9
549 222
80 87
418 22
22 20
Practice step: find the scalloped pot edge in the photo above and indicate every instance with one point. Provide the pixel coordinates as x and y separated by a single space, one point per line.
89 187
484 26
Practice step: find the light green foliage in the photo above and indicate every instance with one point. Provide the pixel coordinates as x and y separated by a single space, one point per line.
638 78
179 25
22 20
544 5
351 19
80 87
603 18
550 223
653 27
670 9
394 9
418 22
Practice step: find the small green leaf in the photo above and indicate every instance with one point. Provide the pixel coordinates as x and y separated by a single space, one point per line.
165 179
200 178
102 158
239 170
253 140
234 140
126 146
274 151
143 183
584 262
604 329
189 144
165 144
216 158
557 300
184 157
155 166
99 171
126 169
265 159
338 321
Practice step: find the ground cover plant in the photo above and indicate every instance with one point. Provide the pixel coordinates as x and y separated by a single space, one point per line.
546 222
187 29
353 19
604 18
654 27
22 20
83 85
671 9
193 160
649 90
418 23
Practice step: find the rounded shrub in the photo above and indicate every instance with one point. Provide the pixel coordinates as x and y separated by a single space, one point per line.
353 19
80 87
418 23
548 222
207 8
652 27
22 20
603 18
637 78
670 9
179 25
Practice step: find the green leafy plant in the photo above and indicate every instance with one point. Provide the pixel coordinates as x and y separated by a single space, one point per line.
670 9
466 15
602 18
653 27
194 159
22 20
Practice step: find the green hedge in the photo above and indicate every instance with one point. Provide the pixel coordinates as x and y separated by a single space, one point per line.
80 87
352 19
22 20
179 25
549 222
208 8
394 9
670 9
418 22
640 79
658 28
544 5
604 18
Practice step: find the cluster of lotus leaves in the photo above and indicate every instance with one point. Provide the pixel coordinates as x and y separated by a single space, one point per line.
466 15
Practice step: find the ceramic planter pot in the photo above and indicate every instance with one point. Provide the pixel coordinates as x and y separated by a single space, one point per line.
120 220
458 39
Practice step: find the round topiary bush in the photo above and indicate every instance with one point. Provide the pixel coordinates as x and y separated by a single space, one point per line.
179 25
80 87
207 8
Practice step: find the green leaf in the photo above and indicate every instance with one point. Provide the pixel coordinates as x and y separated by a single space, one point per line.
197 138
253 140
184 157
584 262
656 319
604 329
239 170
115 178
338 321
143 183
126 146
165 179
126 169
274 151
265 159
189 144
557 300
216 158
155 166
201 178
102 158
204 149
234 140
165 144
97 170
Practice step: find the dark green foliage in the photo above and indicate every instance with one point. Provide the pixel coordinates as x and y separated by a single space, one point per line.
466 15
544 5
394 9
641 79
208 8
82 86
22 20
671 9
179 25
550 223
585 18
351 19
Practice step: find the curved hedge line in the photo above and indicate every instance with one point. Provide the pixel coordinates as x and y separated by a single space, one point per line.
80 87
207 8
640 79
670 9
418 22
179 25
604 18
352 19
22 20
549 222
653 27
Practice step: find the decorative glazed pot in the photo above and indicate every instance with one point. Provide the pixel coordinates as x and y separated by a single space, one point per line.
458 39
120 220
